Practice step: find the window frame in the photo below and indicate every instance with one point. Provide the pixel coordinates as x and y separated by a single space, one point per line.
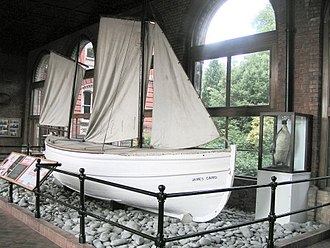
83 104
266 41
242 45
35 133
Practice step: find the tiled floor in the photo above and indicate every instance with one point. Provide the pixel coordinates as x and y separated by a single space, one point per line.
15 234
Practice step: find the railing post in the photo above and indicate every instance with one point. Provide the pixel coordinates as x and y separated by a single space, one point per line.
272 216
37 191
161 202
10 192
82 235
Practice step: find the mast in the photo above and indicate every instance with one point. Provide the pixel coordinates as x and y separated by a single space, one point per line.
73 91
142 74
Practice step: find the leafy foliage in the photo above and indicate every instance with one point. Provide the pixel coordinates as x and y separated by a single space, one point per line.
214 84
265 20
250 80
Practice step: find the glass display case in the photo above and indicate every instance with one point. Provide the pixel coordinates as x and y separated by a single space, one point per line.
285 142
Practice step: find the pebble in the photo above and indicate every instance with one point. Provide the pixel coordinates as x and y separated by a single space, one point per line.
104 236
137 240
101 234
98 244
118 242
247 233
23 202
205 241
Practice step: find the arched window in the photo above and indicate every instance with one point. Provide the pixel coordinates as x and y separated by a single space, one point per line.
233 59
239 18
37 84
38 80
86 53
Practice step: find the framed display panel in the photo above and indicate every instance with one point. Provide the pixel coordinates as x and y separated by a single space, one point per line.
285 141
10 127
20 169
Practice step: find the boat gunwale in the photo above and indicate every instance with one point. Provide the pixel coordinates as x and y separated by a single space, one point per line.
148 152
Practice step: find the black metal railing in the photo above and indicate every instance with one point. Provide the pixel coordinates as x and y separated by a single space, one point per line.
161 196
160 240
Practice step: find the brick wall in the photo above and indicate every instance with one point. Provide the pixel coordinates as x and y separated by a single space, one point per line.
308 68
170 16
12 83
243 199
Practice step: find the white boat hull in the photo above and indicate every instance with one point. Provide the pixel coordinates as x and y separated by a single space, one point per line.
178 170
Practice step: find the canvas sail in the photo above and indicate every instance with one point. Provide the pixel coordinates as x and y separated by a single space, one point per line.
58 90
180 119
116 85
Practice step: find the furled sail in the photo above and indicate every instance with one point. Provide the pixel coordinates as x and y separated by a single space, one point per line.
57 91
180 119
116 85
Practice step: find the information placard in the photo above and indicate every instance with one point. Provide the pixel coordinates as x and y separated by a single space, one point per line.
8 162
10 127
20 169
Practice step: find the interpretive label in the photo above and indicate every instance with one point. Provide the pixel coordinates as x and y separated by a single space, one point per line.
20 169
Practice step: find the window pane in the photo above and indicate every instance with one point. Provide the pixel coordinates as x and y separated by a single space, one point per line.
86 102
269 132
213 90
86 55
87 98
87 109
41 70
244 132
36 101
250 79
238 18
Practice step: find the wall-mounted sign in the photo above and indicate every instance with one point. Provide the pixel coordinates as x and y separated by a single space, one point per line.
20 169
10 127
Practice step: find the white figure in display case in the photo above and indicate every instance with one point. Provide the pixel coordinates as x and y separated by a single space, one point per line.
282 145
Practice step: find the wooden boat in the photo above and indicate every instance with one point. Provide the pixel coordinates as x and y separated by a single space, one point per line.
180 124
179 170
